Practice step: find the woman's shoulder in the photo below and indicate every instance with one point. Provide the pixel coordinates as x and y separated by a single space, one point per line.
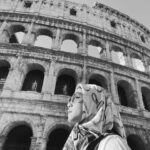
113 142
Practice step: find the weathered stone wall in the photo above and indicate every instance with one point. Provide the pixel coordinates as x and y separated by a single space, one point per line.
46 110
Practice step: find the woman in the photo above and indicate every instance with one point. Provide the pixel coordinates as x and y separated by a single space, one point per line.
98 124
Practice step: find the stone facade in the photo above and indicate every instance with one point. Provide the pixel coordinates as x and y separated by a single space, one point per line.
45 111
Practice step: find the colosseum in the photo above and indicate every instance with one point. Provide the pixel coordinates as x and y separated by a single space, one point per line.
47 47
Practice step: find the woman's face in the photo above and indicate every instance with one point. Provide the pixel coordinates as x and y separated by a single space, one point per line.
75 107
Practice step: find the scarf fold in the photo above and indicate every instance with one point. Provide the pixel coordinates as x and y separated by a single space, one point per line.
99 118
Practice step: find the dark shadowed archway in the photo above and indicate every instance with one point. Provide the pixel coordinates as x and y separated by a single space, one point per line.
98 80
126 94
33 81
135 142
4 69
146 97
57 139
66 82
19 138
65 85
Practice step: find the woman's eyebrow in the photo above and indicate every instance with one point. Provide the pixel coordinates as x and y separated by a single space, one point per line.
78 93
69 99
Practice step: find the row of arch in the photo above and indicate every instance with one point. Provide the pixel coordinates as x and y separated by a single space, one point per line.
67 80
70 42
20 136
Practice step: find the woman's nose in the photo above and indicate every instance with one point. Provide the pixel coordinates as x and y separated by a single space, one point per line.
69 105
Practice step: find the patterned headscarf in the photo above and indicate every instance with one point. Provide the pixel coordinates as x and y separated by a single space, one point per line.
99 118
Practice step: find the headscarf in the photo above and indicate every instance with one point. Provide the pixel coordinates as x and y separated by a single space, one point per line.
99 117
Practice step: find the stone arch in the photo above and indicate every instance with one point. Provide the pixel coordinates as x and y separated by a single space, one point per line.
4 70
35 66
66 82
98 80
58 136
34 78
127 96
18 137
95 48
118 55
43 38
146 97
137 62
135 142
70 43
13 121
135 55
17 33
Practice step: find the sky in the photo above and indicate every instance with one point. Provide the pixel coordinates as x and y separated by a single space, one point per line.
136 9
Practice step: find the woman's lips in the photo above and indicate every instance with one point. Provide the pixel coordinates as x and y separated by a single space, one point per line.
69 111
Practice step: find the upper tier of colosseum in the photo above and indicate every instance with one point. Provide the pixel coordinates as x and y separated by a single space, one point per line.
100 17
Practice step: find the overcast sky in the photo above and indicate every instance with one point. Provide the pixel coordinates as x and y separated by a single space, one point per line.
137 9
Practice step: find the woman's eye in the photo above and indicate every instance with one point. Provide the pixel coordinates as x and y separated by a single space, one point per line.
77 96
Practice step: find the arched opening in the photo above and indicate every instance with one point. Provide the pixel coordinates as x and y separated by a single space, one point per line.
118 56
57 139
126 94
4 69
44 39
70 44
65 85
135 142
19 138
33 81
94 49
122 95
98 80
146 98
17 35
137 63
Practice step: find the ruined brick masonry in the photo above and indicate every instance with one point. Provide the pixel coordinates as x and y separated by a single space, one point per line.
111 50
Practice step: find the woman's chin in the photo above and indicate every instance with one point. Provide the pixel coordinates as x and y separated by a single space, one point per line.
71 121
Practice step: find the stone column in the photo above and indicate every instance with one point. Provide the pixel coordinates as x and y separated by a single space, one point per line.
4 35
139 99
36 6
33 143
128 60
108 53
47 85
3 26
84 73
15 5
113 89
82 48
119 30
2 140
29 37
56 40
52 77
15 76
6 84
45 82
41 143
85 49
146 66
